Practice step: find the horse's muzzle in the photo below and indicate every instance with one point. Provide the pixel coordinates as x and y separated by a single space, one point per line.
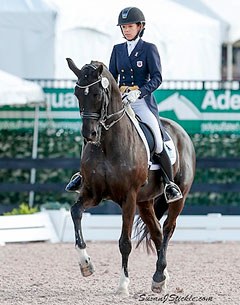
91 138
90 132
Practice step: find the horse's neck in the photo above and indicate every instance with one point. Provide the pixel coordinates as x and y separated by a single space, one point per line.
115 102
120 135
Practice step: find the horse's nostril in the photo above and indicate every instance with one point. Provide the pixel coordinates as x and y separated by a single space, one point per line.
93 133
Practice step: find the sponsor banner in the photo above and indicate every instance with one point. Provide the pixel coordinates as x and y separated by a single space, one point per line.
61 111
198 111
202 111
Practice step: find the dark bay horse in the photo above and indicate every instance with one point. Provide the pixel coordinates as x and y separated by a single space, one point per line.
114 166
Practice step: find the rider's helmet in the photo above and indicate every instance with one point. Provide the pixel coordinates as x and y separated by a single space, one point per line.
131 15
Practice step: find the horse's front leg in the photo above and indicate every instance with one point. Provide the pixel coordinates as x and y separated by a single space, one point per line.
85 263
125 245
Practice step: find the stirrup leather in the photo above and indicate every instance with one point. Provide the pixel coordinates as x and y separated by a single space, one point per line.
177 197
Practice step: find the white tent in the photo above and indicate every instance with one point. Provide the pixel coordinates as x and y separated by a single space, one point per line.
229 11
16 91
202 7
27 38
189 43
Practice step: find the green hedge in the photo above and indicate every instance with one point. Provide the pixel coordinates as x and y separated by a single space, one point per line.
67 143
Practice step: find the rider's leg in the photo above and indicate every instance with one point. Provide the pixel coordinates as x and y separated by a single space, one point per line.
75 181
171 190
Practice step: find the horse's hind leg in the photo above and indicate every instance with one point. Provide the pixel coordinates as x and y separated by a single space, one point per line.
160 277
85 263
146 211
148 215
125 245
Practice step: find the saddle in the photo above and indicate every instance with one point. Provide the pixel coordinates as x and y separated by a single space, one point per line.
147 136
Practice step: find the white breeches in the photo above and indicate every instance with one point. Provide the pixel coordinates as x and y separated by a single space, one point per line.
141 109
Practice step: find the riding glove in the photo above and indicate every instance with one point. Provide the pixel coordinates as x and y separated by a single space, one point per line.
131 96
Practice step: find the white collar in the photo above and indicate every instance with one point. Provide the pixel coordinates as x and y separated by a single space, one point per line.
132 44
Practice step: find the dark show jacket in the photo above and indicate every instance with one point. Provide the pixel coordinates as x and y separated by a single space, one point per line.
141 68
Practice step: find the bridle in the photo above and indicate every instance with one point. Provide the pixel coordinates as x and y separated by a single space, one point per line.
103 116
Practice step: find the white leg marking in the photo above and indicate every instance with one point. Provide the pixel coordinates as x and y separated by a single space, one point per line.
165 272
161 287
84 258
85 263
123 284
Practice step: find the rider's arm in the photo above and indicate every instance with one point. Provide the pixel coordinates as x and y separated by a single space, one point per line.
113 64
155 71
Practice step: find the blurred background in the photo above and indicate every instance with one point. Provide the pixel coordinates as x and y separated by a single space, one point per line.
40 139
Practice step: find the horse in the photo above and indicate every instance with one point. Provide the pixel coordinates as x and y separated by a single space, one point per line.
114 166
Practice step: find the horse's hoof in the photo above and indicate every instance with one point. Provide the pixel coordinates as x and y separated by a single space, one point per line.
123 292
87 270
159 287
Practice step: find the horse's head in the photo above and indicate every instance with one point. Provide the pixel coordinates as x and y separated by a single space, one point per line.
91 92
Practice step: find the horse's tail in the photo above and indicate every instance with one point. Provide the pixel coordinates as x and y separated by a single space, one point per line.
141 230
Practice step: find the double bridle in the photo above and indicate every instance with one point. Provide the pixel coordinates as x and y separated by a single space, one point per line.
103 116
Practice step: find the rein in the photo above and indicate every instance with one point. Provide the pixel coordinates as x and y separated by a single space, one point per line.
103 116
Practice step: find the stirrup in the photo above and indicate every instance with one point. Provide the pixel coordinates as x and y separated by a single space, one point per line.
74 183
172 197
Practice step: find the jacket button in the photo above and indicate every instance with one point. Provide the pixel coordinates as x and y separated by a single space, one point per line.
122 70
123 77
132 83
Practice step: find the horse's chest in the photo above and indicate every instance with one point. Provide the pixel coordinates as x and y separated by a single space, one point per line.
106 170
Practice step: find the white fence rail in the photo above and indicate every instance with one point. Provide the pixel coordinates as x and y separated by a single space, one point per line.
57 226
26 228
209 228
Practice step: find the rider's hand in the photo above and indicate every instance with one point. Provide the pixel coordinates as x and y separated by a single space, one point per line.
131 96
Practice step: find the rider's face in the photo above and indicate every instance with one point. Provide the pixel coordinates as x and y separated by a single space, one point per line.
130 30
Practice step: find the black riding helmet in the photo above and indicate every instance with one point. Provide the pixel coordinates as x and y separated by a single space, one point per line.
132 15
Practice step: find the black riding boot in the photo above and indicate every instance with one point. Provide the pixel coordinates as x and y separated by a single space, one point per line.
76 180
74 183
171 191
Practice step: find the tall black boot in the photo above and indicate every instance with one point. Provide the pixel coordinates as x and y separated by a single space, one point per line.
74 183
76 180
171 191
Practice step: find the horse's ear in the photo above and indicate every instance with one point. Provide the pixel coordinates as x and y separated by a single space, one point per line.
73 67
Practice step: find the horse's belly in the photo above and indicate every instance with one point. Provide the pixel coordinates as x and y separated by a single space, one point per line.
152 188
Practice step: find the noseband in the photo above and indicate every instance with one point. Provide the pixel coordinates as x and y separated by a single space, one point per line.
103 116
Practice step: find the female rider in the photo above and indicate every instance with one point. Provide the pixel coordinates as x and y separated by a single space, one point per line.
136 66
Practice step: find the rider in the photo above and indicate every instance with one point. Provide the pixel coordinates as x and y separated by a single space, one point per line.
136 65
